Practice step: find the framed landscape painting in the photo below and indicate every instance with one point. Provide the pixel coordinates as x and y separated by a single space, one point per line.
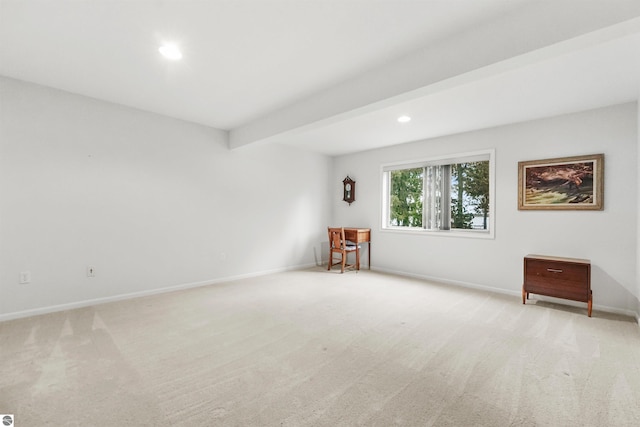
568 183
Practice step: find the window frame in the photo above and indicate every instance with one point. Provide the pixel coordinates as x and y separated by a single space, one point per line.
480 155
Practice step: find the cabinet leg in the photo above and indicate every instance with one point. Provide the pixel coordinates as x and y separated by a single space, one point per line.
590 303
524 294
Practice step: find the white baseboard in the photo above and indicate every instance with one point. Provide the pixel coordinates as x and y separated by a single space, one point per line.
518 293
120 297
448 281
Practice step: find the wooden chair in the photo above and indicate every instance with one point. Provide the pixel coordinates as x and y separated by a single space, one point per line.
338 245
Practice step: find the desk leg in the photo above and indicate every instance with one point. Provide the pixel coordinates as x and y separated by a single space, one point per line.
369 254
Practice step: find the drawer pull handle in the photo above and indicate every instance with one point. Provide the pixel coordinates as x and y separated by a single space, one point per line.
554 270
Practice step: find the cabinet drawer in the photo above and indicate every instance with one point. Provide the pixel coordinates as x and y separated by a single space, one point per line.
550 271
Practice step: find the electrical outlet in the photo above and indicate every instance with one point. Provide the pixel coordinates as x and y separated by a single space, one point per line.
91 271
25 277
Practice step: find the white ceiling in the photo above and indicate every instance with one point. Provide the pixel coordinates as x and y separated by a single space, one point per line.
605 74
301 72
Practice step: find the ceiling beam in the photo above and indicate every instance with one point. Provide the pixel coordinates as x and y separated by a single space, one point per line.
531 34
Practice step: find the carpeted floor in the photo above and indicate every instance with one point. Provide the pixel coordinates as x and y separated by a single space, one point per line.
318 348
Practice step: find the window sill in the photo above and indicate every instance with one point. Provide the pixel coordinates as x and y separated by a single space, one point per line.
468 234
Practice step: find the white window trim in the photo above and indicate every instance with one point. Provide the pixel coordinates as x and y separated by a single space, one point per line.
452 158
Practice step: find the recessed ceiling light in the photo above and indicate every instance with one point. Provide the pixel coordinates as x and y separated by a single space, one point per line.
404 119
170 51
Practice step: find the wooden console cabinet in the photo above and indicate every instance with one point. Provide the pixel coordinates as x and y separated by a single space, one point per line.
568 278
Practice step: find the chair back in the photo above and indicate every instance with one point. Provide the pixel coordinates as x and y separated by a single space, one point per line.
336 237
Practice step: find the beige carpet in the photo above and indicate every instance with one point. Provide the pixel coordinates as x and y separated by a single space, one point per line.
313 348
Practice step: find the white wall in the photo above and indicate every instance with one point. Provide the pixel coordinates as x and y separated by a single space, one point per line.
608 238
638 230
150 202
154 203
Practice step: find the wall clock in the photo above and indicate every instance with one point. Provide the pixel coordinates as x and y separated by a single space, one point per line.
349 194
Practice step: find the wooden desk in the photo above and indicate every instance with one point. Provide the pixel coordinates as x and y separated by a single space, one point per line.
357 236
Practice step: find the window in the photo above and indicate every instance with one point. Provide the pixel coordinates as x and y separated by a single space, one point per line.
452 194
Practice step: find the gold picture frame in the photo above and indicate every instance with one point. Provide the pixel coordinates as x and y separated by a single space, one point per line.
564 183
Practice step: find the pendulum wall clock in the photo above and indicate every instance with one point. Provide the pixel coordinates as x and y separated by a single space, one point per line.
349 194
